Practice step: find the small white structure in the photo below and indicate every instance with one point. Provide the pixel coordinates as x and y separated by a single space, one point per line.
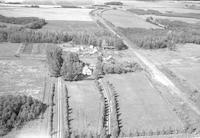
86 70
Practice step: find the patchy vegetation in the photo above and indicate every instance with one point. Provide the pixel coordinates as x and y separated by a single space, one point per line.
17 110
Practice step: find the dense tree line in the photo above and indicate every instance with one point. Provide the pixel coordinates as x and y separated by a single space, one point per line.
16 110
21 35
114 67
175 32
65 64
19 20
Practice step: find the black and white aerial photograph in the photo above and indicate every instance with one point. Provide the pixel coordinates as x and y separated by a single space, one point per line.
99 68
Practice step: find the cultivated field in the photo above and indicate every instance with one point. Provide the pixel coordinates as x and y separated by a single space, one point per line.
142 107
22 77
126 20
84 99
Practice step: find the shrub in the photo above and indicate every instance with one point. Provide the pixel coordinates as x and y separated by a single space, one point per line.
3 36
72 67
54 60
16 110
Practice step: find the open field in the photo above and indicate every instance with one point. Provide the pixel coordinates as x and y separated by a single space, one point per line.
22 77
187 20
147 110
48 13
163 6
181 65
8 49
61 25
145 103
86 107
127 20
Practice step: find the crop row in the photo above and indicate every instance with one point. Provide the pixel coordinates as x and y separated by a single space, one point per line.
164 131
104 109
52 107
68 113
116 121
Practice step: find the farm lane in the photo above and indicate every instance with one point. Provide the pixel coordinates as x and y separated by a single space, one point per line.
107 95
155 73
60 102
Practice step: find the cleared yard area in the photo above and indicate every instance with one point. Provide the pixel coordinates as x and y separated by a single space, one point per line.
141 106
126 19
86 107
22 77
74 14
8 49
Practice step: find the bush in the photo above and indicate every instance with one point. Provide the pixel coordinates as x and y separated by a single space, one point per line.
113 67
36 25
72 67
16 110
54 60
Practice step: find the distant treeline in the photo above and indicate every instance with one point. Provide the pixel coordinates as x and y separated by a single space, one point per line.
27 22
113 3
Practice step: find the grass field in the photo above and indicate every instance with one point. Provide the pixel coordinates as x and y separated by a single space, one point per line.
182 66
86 107
126 20
141 105
8 49
61 25
163 6
22 77
48 13
182 19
